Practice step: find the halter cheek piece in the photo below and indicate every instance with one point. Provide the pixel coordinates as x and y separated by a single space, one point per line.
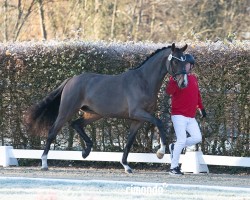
182 59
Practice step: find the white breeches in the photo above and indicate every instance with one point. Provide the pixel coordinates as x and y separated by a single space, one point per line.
181 125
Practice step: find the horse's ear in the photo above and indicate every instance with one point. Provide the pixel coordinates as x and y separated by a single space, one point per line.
184 48
173 47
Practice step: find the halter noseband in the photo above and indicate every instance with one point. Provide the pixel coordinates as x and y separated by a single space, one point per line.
182 59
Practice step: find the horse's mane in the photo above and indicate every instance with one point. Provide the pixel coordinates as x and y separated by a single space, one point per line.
151 55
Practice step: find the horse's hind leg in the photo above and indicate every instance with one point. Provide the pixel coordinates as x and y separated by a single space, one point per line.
135 125
51 136
62 118
78 126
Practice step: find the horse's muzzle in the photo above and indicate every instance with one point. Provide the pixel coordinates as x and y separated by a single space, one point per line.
185 81
182 81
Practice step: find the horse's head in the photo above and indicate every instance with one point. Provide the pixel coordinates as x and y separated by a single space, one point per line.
176 62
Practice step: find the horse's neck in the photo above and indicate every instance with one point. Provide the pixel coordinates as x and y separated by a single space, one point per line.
154 71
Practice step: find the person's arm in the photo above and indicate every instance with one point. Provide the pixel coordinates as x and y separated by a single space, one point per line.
171 87
200 106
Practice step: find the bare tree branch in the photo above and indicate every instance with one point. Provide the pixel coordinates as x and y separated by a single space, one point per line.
21 19
42 20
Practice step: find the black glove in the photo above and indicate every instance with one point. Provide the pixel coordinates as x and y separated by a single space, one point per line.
203 113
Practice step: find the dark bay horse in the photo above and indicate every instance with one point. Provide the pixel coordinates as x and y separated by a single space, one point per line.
130 95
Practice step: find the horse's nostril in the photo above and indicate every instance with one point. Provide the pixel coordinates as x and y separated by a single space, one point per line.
183 85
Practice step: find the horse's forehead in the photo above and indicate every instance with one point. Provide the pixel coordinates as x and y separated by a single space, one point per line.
178 51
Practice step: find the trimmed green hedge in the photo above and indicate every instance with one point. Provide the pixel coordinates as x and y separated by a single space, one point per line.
28 71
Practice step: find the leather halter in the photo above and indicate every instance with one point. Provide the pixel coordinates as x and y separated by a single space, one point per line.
170 69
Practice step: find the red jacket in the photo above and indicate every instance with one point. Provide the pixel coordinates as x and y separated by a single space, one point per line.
185 101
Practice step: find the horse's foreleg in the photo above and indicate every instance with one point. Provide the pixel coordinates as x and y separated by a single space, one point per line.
161 152
135 125
78 126
145 116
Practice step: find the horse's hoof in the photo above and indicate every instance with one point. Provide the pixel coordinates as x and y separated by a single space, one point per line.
44 169
129 171
159 154
85 154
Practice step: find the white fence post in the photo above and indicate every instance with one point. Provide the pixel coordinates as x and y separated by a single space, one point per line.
6 156
193 162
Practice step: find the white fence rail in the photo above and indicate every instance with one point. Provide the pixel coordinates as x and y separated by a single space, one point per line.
194 162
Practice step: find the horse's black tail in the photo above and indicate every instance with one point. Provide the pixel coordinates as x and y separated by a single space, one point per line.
40 117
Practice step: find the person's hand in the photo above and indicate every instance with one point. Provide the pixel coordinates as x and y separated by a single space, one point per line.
203 113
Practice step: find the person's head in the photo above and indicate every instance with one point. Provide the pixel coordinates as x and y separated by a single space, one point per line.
190 62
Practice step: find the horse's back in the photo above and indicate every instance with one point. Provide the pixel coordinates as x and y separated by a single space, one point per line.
103 94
